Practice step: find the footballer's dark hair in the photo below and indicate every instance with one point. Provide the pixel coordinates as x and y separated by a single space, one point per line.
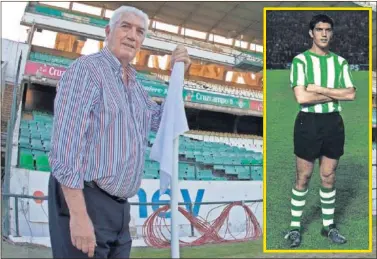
321 18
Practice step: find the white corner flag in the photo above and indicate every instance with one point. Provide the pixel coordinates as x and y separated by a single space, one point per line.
173 124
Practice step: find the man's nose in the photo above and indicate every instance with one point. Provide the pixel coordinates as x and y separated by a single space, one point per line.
131 35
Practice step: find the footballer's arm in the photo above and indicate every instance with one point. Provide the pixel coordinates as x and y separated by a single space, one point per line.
306 97
341 94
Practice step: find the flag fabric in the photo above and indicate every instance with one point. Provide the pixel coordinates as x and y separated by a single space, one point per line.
173 124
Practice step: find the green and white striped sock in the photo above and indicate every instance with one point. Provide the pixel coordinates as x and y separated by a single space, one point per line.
328 206
297 207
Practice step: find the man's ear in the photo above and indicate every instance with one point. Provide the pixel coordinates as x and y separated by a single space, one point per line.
311 34
107 31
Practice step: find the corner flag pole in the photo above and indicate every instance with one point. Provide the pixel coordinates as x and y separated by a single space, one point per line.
174 202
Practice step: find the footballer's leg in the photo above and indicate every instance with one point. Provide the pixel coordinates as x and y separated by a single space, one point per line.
307 150
327 193
332 150
304 170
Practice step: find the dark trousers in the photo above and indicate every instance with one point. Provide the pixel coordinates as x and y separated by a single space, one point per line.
110 218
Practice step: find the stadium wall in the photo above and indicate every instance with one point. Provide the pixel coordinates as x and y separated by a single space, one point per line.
33 214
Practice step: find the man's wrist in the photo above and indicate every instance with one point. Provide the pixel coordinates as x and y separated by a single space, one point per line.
79 213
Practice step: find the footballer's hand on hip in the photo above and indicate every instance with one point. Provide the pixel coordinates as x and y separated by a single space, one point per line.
180 54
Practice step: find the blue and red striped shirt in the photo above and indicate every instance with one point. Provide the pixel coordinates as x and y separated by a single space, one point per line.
101 125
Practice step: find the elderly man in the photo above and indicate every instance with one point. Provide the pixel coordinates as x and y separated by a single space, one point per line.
101 124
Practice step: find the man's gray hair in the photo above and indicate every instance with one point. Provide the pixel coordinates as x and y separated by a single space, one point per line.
118 13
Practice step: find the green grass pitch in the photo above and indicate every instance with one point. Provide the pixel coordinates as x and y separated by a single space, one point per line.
351 212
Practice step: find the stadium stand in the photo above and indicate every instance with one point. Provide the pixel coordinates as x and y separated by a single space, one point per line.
349 42
202 156
189 84
227 90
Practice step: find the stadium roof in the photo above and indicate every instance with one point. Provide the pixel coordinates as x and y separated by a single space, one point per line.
229 19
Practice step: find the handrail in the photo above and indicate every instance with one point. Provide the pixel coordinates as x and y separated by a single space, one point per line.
190 204
4 65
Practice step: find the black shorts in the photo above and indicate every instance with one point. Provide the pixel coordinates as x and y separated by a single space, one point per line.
319 134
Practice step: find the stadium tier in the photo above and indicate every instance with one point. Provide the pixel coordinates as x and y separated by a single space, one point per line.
60 61
252 57
237 92
50 59
374 117
199 159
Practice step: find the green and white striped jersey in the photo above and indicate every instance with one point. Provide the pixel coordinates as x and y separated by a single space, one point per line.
331 71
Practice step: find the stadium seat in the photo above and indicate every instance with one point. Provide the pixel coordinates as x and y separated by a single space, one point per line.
25 133
205 175
24 142
47 145
37 144
35 135
229 169
42 163
245 175
24 124
26 160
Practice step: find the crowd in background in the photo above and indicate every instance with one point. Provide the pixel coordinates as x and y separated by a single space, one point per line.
288 36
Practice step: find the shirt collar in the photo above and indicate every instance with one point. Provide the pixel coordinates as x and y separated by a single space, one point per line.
116 65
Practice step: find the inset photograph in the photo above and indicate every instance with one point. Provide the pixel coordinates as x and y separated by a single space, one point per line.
317 153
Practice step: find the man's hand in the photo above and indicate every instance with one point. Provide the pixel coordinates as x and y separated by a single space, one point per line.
82 233
314 88
180 54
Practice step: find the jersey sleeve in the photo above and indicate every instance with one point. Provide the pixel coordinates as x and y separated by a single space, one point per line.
346 79
298 76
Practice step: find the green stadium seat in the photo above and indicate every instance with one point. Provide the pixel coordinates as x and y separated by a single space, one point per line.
209 160
190 154
219 167
26 161
256 173
245 175
205 175
24 142
229 169
190 172
45 137
154 165
42 163
25 151
152 173
25 133
35 135
38 152
200 158
47 145
24 124
37 144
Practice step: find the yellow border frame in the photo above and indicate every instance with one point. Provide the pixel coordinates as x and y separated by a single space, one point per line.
265 128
